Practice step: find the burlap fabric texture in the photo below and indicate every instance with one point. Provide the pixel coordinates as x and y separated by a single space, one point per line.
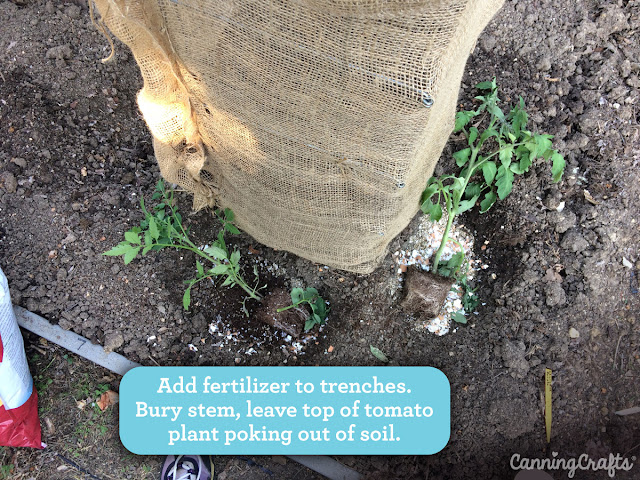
318 122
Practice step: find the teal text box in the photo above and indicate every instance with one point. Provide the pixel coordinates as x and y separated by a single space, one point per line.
285 410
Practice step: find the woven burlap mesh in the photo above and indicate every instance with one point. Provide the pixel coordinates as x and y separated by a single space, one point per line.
318 122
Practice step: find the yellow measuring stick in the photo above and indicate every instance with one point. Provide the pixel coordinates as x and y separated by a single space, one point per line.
547 402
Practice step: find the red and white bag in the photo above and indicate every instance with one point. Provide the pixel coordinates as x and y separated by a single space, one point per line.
19 422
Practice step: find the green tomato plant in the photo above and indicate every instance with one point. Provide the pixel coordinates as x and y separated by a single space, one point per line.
162 227
311 297
492 158
498 148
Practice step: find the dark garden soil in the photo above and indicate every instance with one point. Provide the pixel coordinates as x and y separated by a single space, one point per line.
75 158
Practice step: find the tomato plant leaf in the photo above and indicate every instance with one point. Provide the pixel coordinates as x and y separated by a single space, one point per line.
296 295
543 142
473 135
473 189
462 157
505 155
132 237
459 317
523 165
232 229
557 166
153 229
487 134
130 255
186 298
219 269
488 85
462 119
496 111
309 294
489 199
429 192
435 212
519 118
504 182
120 249
465 205
378 354
216 252
489 170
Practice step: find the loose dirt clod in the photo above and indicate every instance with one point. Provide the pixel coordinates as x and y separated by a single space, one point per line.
426 292
113 341
8 182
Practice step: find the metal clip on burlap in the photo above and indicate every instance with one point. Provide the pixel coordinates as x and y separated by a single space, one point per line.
306 117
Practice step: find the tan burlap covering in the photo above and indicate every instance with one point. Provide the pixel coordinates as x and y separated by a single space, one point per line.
318 122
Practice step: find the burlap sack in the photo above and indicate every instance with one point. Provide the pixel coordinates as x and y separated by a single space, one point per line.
318 122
